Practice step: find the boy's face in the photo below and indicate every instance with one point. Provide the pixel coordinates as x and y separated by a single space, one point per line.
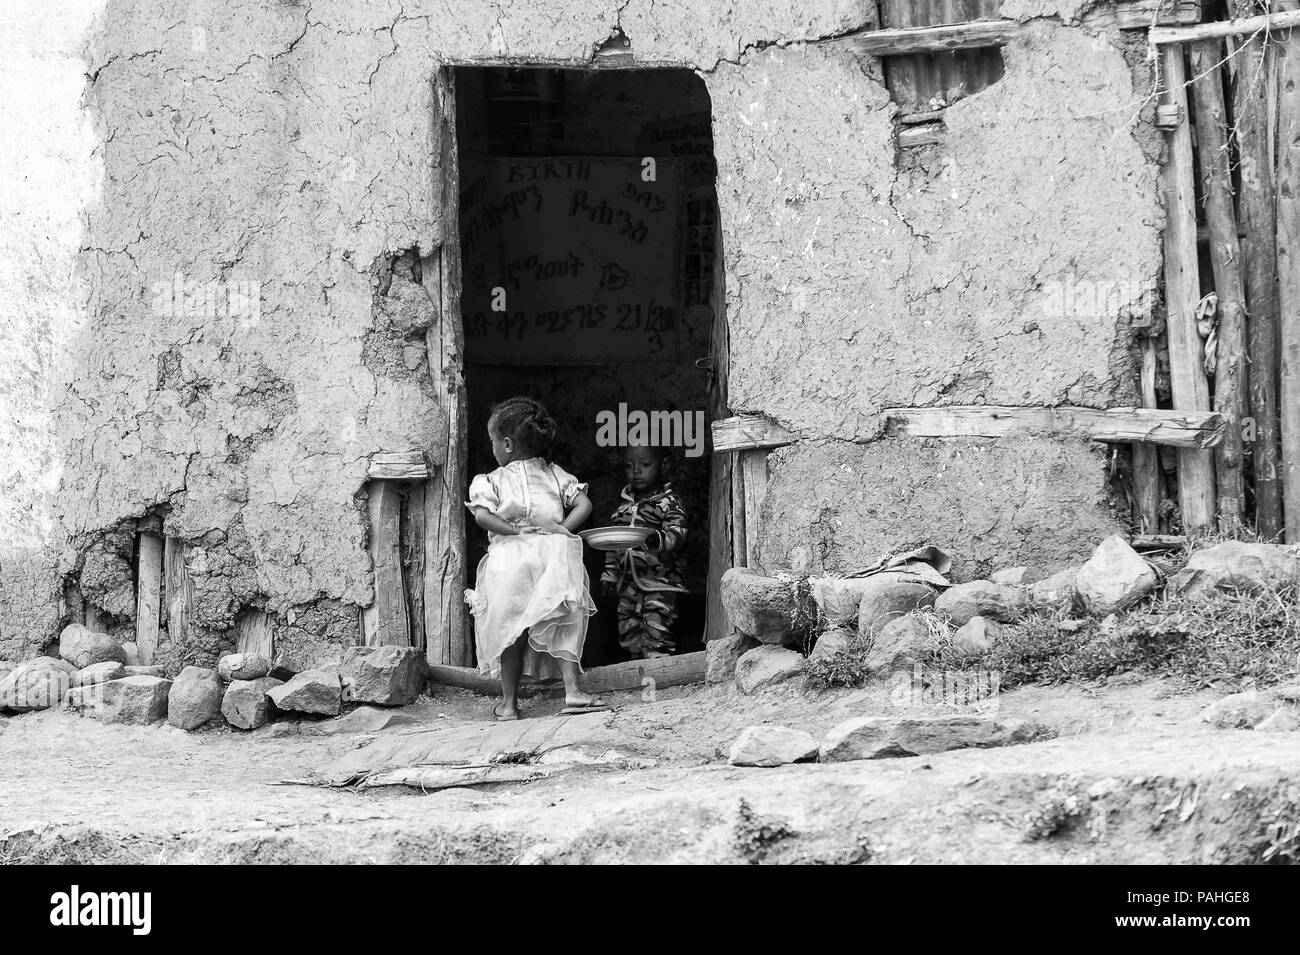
643 468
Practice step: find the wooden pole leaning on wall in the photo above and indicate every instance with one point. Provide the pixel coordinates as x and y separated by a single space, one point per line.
385 621
1182 293
1256 75
750 437
148 596
1288 271
1205 57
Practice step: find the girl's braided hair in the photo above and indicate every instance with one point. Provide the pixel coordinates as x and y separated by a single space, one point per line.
526 422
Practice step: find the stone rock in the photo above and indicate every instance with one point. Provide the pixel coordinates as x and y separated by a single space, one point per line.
1241 710
1011 576
311 691
976 635
889 595
982 598
831 642
243 666
364 719
765 666
761 607
194 698
156 669
100 673
36 684
1283 720
387 675
1236 565
838 598
899 644
132 651
875 737
720 656
1114 577
772 746
138 700
246 705
1054 592
82 647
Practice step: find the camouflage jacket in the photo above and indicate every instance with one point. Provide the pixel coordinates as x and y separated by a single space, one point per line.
661 569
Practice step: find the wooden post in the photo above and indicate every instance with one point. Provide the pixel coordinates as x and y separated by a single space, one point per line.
1182 292
721 554
447 636
1288 272
1255 77
385 620
254 633
1225 258
754 465
413 557
180 591
148 595
1146 459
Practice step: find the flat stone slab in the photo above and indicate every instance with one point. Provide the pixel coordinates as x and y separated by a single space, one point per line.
877 737
768 746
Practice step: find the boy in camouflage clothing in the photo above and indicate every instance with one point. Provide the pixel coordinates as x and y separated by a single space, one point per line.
648 579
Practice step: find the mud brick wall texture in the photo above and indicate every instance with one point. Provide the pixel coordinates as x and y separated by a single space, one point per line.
295 145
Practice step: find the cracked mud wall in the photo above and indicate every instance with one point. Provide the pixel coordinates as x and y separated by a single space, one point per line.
861 276
291 148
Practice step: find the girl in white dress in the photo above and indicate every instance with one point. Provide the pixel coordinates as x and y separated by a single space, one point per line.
531 598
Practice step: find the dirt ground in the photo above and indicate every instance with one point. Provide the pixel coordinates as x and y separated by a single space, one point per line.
1131 776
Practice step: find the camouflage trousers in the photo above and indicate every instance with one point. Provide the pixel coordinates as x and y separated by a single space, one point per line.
645 620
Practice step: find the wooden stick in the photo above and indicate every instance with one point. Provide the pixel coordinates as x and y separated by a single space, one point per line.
957 36
1288 272
661 672
1121 425
386 619
1256 65
1146 458
1210 31
754 465
180 591
749 432
1182 293
148 596
1225 258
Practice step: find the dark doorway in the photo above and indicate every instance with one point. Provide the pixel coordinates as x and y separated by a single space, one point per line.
611 282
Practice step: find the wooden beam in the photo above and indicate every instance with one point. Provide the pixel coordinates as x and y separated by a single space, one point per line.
1255 81
749 432
398 466
929 134
179 593
148 596
255 633
1288 271
448 638
1142 14
1225 259
957 36
1117 425
1191 391
661 672
754 465
385 620
1269 22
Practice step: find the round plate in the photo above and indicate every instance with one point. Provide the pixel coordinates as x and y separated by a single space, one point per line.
616 538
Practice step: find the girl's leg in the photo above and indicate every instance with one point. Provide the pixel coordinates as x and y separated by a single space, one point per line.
512 667
573 696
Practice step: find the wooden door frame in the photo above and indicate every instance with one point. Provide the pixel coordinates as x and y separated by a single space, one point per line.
447 624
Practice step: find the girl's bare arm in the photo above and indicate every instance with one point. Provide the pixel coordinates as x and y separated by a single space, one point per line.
579 514
490 522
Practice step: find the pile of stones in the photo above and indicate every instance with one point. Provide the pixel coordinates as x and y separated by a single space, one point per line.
771 624
94 676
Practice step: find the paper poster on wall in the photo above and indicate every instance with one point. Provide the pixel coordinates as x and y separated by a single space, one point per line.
579 254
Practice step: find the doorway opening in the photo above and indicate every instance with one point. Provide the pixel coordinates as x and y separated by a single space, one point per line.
591 280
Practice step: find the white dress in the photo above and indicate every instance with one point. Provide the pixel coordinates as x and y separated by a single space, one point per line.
534 582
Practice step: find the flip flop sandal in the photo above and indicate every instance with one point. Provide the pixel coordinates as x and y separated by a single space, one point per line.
595 706
502 718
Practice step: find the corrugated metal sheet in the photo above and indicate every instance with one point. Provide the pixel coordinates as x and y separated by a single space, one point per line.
923 81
